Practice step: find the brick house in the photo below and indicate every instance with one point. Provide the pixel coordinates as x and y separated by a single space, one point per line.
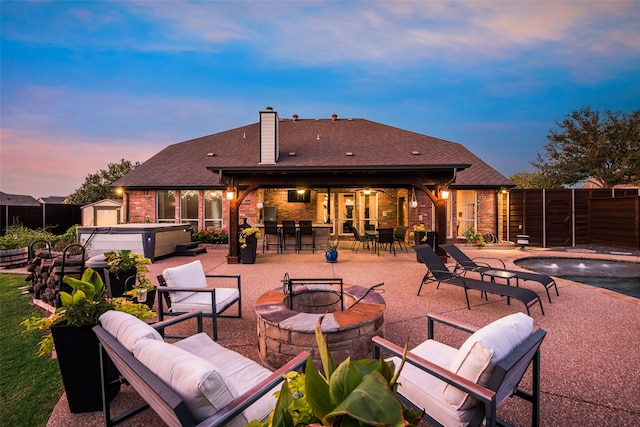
334 171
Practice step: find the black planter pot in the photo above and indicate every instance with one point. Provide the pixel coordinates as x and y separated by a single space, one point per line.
149 300
78 356
116 285
417 238
248 253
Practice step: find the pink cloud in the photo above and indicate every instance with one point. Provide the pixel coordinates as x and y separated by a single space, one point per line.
40 164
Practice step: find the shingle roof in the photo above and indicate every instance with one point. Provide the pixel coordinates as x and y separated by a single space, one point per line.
17 200
54 200
317 144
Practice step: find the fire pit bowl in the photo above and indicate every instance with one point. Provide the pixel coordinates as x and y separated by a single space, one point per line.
284 332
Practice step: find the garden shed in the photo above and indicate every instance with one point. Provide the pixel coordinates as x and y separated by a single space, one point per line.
102 213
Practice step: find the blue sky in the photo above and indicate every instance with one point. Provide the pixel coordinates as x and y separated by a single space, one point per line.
87 83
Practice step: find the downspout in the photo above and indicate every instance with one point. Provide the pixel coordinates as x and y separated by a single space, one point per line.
496 213
544 217
508 219
328 205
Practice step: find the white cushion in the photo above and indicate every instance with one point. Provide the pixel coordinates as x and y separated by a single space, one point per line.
426 391
189 275
241 374
126 328
200 385
483 350
202 301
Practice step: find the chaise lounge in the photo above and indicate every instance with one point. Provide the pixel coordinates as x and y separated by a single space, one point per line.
464 263
438 272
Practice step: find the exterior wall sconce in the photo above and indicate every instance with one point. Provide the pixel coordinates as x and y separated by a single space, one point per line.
260 205
367 191
230 194
445 194
413 203
300 190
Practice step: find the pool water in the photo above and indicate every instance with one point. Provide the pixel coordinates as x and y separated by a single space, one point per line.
618 276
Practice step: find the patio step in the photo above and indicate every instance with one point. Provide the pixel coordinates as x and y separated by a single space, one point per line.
190 249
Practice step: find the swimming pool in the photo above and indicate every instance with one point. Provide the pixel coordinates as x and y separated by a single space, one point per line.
618 276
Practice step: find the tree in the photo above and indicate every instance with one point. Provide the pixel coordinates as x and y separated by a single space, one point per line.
97 186
533 180
601 146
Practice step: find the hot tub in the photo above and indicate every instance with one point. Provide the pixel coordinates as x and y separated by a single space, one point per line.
151 240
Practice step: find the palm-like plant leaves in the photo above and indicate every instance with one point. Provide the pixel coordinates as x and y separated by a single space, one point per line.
356 393
317 390
372 402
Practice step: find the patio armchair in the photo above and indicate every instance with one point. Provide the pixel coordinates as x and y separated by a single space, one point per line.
385 239
464 386
185 288
358 240
398 237
464 263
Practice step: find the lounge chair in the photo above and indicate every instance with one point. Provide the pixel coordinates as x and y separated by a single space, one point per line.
438 272
465 386
186 288
464 263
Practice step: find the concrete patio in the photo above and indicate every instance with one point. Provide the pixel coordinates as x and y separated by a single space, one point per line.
590 369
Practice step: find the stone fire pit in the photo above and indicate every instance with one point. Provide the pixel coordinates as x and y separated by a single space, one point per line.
283 332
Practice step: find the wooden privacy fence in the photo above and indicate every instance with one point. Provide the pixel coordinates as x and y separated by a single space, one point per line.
57 218
616 220
570 217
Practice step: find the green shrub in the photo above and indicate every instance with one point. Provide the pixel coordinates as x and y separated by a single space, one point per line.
19 236
213 236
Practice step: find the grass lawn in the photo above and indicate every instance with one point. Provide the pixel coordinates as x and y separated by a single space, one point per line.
30 386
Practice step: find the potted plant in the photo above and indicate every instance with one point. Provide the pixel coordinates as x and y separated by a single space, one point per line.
143 291
248 239
419 236
471 236
331 253
356 392
76 346
123 265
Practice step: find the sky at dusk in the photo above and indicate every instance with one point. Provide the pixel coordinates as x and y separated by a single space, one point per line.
87 83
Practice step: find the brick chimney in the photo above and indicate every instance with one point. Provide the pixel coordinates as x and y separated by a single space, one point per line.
269 141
